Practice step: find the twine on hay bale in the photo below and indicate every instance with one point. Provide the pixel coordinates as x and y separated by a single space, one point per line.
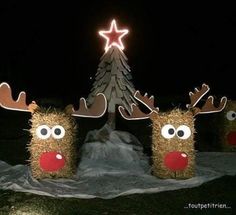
162 146
65 146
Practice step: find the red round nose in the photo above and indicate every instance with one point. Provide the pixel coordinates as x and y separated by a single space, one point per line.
176 160
231 137
51 161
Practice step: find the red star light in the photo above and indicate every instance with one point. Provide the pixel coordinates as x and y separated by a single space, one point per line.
113 36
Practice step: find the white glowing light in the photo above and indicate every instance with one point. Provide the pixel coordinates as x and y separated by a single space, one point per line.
113 36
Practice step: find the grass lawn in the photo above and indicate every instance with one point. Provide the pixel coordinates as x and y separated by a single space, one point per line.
220 191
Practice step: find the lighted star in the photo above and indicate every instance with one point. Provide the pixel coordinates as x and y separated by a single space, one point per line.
113 36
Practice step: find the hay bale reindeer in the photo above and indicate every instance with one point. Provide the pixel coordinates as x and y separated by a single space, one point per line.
52 147
173 152
228 127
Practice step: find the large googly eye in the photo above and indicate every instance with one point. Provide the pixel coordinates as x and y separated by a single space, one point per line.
231 115
43 132
183 132
58 132
168 131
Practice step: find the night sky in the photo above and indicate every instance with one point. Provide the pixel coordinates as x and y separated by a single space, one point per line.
46 47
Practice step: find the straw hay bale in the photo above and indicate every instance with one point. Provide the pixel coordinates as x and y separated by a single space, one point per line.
227 127
65 146
162 146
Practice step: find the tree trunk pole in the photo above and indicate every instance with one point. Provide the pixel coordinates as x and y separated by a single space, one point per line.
111 121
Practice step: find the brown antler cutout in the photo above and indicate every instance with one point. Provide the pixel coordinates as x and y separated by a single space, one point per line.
7 102
209 107
197 95
136 113
97 109
147 101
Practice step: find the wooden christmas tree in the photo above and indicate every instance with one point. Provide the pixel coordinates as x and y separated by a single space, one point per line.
113 77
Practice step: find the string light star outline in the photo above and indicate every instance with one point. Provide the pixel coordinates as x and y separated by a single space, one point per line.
113 36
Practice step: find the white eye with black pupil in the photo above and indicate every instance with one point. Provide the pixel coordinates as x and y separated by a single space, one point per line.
231 115
43 132
168 131
58 132
183 132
